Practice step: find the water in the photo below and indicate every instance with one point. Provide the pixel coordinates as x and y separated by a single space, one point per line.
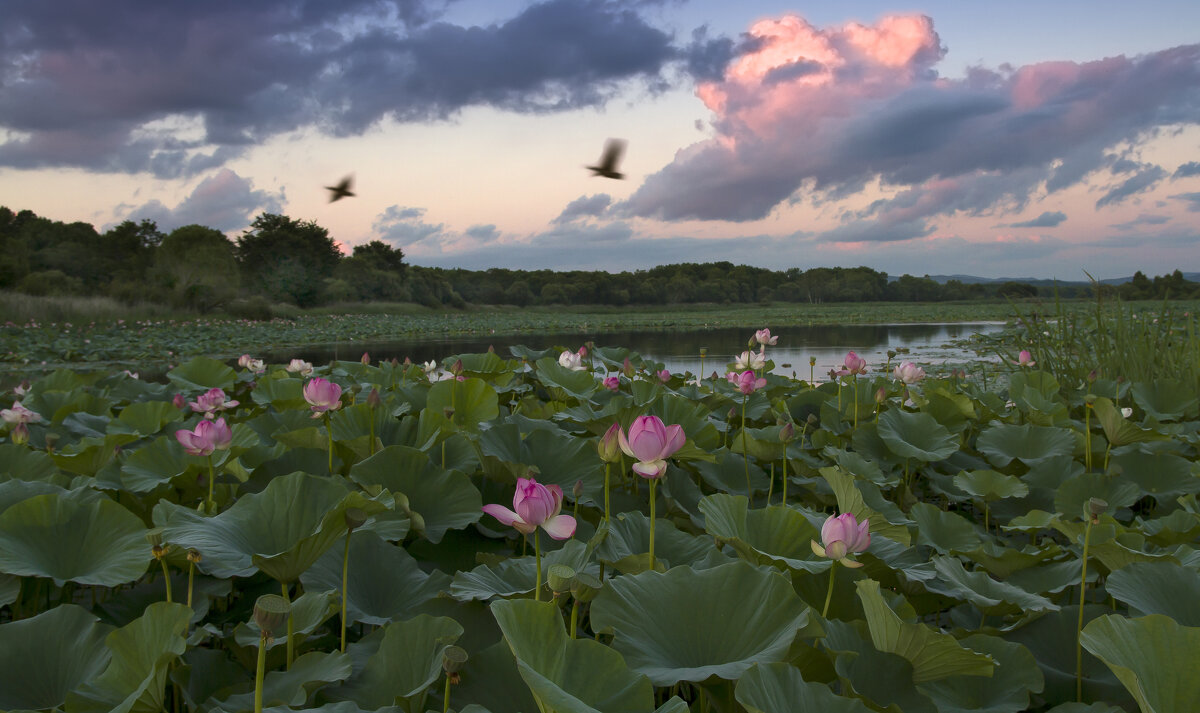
679 351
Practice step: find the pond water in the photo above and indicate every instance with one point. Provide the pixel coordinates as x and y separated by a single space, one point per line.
679 350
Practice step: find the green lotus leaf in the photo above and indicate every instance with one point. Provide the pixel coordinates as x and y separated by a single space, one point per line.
202 374
282 530
206 673
580 384
89 455
674 704
309 611
768 535
145 418
10 589
850 499
384 582
1050 578
944 531
45 657
516 575
933 655
951 409
916 435
990 485
22 463
488 364
135 679
1072 496
153 465
563 460
629 535
1158 588
406 659
1007 691
1085 708
473 400
728 473
568 675
886 679
1118 430
349 707
294 686
855 464
776 687
16 491
1021 384
1164 476
445 499
281 391
1177 528
73 537
737 615
1051 639
1002 443
1166 399
1153 656
988 595
693 417
491 677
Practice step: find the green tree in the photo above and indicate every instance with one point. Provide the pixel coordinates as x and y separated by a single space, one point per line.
382 256
287 259
197 264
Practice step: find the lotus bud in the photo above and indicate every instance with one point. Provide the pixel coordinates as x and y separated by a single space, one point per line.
180 401
560 577
627 368
453 659
880 395
578 489
813 420
271 613
366 358
1093 375
812 361
585 587
448 412
457 368
373 399
355 517
407 362
787 432
610 444
1094 509
1090 400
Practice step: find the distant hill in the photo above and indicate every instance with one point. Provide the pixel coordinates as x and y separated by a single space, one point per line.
972 279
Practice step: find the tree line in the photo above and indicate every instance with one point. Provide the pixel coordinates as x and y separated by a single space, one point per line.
279 259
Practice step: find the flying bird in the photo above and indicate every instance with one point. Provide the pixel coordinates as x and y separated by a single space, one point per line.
613 148
341 190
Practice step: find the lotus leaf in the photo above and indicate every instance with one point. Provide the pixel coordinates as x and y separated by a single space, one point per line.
1074 493
579 384
944 531
1166 399
145 418
294 687
309 611
153 465
1164 476
1051 639
629 535
1002 443
916 435
21 463
737 615
1158 588
728 473
473 401
1118 430
1007 691
988 595
990 485
878 676
202 374
1153 656
850 500
491 677
516 575
568 675
73 536
769 535
444 499
45 657
206 673
775 687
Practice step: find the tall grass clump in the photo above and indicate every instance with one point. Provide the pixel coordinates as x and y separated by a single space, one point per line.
20 308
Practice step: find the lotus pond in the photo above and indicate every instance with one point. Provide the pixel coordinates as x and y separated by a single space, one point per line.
315 539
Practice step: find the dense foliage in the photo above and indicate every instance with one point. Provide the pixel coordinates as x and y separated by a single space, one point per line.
1029 548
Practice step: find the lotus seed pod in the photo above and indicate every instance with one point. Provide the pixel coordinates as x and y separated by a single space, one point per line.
1095 508
453 659
585 587
355 517
560 577
154 537
271 613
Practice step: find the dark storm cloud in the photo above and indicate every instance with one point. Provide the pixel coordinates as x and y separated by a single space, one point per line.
224 201
1048 219
584 206
89 84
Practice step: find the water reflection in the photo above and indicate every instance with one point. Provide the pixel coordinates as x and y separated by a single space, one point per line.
679 351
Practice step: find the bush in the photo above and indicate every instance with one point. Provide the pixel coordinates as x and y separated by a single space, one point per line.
256 309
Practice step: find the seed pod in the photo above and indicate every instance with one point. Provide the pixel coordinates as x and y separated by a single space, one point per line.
453 659
560 578
271 613
585 587
355 517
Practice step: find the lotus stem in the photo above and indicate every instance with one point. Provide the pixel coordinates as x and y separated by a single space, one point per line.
209 504
607 510
446 695
829 592
856 400
345 577
574 616
260 669
329 442
537 556
653 487
745 454
371 445
1087 436
291 623
785 472
771 485
166 577
191 580
1087 534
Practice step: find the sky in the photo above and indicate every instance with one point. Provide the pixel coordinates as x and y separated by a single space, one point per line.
1016 139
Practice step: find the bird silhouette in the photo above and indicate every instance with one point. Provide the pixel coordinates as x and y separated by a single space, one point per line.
613 148
341 190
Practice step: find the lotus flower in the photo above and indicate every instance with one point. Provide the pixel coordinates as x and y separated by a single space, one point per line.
254 365
745 381
612 383
909 373
571 360
322 395
664 375
19 416
299 366
750 360
853 364
763 337
430 367
211 401
180 401
841 536
535 505
1024 358
610 444
651 443
244 360
205 438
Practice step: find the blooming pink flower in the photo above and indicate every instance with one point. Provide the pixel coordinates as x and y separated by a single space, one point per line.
322 395
1024 358
745 381
211 401
909 373
19 414
612 383
853 364
750 360
535 505
205 438
763 337
664 375
651 443
244 360
841 536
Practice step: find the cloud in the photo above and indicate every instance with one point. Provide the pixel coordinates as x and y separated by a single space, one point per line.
1142 219
405 228
224 201
1187 170
178 88
1048 219
828 111
1142 181
1192 200
584 206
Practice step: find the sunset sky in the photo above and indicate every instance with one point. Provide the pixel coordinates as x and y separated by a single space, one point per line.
1016 139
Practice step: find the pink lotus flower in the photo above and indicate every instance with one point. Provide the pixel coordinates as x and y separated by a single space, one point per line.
254 365
853 364
535 505
1024 358
763 337
664 375
205 438
745 381
299 366
323 396
180 401
651 443
841 536
570 360
909 373
612 383
244 360
609 446
19 417
750 360
211 401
